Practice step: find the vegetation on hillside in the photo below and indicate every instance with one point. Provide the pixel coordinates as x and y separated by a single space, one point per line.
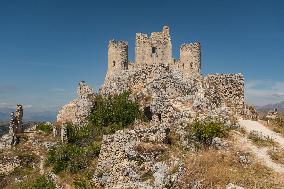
83 146
46 128
203 132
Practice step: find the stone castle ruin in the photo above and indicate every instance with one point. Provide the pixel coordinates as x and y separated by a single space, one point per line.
156 49
156 74
171 92
161 83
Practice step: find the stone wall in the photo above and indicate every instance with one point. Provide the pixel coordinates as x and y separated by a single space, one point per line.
227 89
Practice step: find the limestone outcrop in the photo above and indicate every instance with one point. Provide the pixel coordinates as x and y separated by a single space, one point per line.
77 111
15 128
137 159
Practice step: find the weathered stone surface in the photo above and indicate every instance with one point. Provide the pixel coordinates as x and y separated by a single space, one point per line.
272 115
130 158
15 128
77 111
8 164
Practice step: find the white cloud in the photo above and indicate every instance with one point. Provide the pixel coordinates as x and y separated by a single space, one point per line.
261 92
5 105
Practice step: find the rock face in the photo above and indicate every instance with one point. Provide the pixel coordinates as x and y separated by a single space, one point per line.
136 159
77 111
15 127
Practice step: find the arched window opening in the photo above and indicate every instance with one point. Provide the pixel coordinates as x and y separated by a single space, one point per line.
153 49
113 63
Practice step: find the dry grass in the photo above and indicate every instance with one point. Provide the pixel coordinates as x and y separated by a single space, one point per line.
29 170
276 126
215 169
260 140
277 155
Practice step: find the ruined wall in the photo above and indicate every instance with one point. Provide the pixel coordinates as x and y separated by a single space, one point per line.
154 49
229 89
117 55
77 111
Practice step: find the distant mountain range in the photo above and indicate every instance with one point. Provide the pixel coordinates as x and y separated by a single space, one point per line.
279 106
51 116
29 115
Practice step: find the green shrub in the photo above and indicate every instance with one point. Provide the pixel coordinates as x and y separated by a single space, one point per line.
84 143
67 157
27 159
71 157
115 110
42 183
94 149
45 128
80 184
203 132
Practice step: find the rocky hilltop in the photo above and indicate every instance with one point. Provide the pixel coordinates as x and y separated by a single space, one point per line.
156 122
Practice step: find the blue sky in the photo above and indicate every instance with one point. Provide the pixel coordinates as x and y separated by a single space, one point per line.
48 46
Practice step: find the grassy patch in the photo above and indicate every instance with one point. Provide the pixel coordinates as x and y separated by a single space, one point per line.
277 155
71 157
42 183
260 140
148 175
46 128
276 125
215 169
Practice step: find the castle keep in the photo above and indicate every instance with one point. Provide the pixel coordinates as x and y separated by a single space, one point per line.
161 84
155 49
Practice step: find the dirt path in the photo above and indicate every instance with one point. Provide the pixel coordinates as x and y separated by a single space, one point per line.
249 126
260 152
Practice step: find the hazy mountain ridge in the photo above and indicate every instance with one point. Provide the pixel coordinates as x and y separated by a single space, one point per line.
29 115
279 106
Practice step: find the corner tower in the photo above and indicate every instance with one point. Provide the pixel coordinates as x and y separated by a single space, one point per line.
117 55
190 59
